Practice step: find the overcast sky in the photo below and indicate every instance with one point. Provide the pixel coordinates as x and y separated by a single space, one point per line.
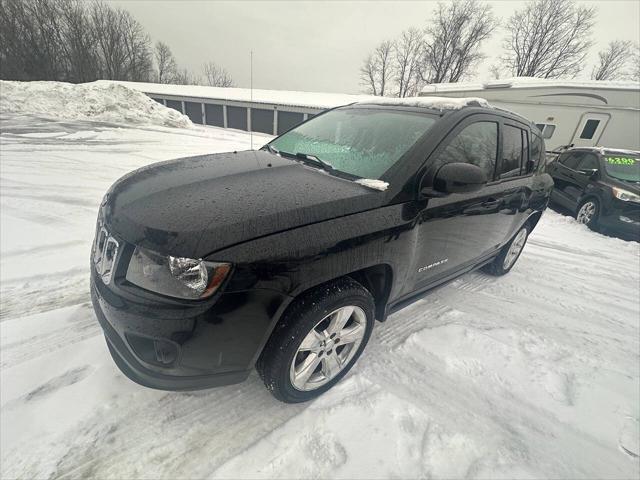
320 45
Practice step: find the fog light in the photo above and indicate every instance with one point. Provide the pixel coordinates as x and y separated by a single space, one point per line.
625 219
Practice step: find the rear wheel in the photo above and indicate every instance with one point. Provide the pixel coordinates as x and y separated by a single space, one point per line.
318 341
588 213
509 254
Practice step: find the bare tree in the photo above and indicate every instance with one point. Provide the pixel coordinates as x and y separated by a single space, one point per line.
634 72
165 62
123 46
185 77
80 42
216 76
548 39
376 70
612 61
407 53
453 40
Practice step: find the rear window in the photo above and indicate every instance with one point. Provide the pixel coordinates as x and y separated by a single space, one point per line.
512 147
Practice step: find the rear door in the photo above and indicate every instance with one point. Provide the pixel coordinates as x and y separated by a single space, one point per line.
590 129
563 172
513 177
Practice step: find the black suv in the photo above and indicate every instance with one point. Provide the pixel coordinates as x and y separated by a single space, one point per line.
281 258
601 186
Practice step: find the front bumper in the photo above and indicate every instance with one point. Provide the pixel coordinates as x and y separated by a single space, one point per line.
623 218
183 347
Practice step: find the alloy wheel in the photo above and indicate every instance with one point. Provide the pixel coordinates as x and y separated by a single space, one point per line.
328 348
515 248
586 213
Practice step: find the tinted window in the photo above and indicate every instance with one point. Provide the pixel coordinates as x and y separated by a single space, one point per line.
360 141
476 144
589 129
511 152
570 160
589 162
537 153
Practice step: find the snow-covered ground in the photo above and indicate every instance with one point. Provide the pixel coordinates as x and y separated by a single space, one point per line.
535 374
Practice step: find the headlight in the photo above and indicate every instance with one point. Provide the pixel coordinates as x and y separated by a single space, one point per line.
175 276
625 195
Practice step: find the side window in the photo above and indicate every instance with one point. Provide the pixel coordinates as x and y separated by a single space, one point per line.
589 162
547 129
476 144
512 147
537 153
589 129
570 160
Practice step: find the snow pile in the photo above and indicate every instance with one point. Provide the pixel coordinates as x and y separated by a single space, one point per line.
438 103
98 101
375 184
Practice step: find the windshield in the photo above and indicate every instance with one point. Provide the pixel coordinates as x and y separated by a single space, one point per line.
358 141
623 167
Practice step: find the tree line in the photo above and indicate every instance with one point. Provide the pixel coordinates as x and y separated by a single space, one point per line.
82 41
544 38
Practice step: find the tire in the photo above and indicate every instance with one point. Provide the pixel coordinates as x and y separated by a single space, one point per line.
588 213
282 363
508 257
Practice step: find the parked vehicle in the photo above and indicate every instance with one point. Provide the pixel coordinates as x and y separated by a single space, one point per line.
584 113
601 186
205 267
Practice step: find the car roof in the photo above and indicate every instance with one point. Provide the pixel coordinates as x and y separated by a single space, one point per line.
604 150
442 105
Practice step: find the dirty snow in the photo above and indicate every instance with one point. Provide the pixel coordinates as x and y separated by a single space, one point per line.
97 101
532 375
371 183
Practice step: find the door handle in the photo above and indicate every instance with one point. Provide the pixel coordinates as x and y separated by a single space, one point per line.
491 202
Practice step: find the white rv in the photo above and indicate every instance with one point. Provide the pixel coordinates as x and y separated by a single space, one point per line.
582 113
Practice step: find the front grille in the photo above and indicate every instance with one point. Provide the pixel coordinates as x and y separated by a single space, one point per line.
105 251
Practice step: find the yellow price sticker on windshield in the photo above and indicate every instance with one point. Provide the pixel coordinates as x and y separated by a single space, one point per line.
621 160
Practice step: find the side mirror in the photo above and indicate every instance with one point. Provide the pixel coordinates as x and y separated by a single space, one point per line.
457 178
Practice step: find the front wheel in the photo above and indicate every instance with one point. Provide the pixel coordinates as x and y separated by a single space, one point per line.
588 213
318 341
509 254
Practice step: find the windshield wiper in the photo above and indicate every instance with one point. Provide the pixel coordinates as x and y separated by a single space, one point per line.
273 150
312 159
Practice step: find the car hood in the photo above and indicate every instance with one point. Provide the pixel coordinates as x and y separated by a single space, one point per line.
194 206
629 185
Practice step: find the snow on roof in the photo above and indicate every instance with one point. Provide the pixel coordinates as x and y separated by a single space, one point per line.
298 99
280 97
528 82
438 103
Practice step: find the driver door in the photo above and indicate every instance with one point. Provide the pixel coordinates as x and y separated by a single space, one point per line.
457 229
